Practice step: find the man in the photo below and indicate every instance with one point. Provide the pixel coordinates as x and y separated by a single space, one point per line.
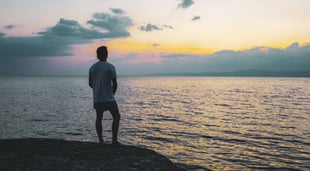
102 79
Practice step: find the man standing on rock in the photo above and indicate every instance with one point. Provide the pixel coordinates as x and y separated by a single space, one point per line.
102 79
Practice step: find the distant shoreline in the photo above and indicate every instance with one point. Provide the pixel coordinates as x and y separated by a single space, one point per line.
241 73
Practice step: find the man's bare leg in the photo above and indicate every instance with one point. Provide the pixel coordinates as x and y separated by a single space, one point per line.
99 115
115 125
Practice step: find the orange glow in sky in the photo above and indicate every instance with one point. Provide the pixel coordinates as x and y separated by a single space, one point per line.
139 32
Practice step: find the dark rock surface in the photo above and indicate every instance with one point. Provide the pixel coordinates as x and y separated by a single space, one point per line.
53 154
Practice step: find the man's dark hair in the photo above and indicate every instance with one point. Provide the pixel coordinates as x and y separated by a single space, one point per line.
102 52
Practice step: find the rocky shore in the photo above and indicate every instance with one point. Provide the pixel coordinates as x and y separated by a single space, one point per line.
53 154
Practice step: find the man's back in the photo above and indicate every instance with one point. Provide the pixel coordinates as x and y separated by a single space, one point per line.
101 75
102 79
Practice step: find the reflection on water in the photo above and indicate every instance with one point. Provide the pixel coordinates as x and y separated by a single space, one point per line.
216 123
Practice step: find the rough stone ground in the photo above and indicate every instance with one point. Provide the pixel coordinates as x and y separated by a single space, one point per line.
52 154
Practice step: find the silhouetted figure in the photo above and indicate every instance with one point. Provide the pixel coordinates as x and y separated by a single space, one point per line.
102 79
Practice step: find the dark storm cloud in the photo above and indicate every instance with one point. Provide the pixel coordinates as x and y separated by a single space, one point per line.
9 27
114 25
185 3
195 17
149 27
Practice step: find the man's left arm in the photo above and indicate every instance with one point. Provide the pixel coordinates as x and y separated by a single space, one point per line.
90 83
114 80
114 85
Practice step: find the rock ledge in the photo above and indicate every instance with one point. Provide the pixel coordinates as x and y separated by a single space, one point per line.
53 154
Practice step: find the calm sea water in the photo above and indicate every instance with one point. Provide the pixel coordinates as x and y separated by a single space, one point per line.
215 123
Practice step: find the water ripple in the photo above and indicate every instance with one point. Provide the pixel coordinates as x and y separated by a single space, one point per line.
215 123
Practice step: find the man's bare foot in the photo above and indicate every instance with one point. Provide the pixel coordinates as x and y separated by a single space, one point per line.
101 142
116 143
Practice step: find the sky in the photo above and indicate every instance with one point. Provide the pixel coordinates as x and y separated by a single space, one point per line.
60 37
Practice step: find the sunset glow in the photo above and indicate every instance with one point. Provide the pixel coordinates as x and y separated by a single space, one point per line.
153 32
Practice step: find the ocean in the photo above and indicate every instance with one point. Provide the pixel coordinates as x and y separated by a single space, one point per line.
233 123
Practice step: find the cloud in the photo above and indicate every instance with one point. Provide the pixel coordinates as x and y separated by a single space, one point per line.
294 57
138 59
21 47
57 40
168 26
195 17
28 55
293 46
178 56
71 28
185 4
114 25
117 11
110 26
155 44
149 27
9 27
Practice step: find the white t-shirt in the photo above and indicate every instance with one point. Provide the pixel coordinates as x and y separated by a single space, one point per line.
101 74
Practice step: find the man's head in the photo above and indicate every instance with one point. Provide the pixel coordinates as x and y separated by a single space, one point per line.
102 53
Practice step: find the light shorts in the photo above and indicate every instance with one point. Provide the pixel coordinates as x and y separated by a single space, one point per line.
105 106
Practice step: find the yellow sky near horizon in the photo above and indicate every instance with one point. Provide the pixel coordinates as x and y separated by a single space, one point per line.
223 24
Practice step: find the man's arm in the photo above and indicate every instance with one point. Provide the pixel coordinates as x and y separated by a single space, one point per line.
90 82
114 85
